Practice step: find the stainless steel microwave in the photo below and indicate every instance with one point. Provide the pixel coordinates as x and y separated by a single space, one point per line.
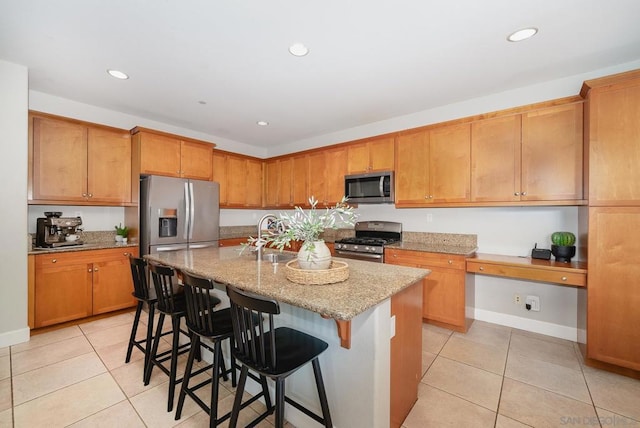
370 188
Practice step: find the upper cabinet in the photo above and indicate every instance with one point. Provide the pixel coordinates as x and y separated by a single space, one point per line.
326 171
171 155
433 166
613 140
73 162
533 156
552 154
372 155
240 179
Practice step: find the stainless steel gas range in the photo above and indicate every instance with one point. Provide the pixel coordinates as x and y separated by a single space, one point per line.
369 242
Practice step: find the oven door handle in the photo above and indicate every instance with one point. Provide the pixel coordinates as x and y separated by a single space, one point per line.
359 256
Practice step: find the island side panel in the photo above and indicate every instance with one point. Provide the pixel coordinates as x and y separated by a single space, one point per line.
406 351
357 380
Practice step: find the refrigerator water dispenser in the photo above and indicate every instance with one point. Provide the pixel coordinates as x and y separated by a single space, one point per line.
167 223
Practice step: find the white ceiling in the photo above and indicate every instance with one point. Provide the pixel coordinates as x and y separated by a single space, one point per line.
369 60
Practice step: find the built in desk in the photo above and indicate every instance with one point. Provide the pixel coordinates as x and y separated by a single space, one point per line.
572 274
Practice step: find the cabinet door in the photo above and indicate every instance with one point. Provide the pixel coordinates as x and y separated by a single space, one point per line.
159 155
271 183
552 145
613 296
300 179
334 174
317 174
59 160
109 166
62 288
196 160
495 160
412 171
381 154
285 186
112 282
614 151
450 164
443 296
219 174
253 192
358 158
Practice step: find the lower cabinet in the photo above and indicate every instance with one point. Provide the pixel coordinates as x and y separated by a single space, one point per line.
74 285
443 299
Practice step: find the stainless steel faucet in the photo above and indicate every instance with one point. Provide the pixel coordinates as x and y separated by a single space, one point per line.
260 244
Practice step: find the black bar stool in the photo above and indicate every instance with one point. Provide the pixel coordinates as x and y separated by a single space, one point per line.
144 295
276 354
171 302
215 326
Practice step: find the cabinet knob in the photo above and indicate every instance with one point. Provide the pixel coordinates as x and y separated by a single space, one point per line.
524 193
91 195
95 269
564 278
54 260
430 196
481 267
450 262
90 270
516 194
84 195
125 254
395 256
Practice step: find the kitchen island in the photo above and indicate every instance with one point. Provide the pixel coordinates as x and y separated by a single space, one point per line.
381 305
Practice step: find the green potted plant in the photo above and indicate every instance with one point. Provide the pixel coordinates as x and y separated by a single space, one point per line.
307 226
122 233
563 247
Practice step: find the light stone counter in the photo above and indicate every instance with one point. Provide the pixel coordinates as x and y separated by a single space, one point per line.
357 377
368 283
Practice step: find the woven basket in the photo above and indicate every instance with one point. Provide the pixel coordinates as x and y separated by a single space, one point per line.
337 272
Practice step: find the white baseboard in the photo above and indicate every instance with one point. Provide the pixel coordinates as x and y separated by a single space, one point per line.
542 327
14 337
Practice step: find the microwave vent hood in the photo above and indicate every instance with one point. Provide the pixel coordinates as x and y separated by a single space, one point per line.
370 188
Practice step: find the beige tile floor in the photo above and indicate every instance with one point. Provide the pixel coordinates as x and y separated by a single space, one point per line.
492 376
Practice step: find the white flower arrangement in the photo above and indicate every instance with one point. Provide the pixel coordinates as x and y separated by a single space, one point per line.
305 225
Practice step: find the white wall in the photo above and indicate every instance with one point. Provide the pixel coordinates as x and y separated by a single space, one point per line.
13 175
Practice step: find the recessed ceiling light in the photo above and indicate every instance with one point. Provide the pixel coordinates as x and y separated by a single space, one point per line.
202 102
118 74
262 122
298 49
524 34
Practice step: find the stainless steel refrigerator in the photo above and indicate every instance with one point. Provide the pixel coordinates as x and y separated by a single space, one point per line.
177 214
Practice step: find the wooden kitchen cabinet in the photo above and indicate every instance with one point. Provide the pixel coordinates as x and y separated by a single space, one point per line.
443 289
614 152
372 155
433 166
300 178
278 182
552 154
173 156
73 162
74 285
240 179
613 295
327 169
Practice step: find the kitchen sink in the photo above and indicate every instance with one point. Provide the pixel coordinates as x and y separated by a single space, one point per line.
278 257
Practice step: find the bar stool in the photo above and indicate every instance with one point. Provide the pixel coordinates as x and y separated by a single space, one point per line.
213 326
276 354
171 303
144 295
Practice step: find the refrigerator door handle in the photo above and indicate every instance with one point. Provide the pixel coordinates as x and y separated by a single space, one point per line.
192 210
187 203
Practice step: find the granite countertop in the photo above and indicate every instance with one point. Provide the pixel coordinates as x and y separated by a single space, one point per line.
368 283
447 243
97 240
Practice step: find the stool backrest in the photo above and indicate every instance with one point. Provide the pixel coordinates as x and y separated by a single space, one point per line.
253 346
139 275
200 305
163 283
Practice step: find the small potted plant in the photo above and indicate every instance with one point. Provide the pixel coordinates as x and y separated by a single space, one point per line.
563 247
122 233
307 226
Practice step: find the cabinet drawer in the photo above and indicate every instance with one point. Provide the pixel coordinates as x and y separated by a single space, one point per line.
556 277
424 259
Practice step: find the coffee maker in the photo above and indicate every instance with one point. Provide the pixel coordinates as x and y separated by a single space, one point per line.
56 231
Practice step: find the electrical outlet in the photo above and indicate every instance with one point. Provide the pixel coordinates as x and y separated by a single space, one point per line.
516 299
429 218
533 303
